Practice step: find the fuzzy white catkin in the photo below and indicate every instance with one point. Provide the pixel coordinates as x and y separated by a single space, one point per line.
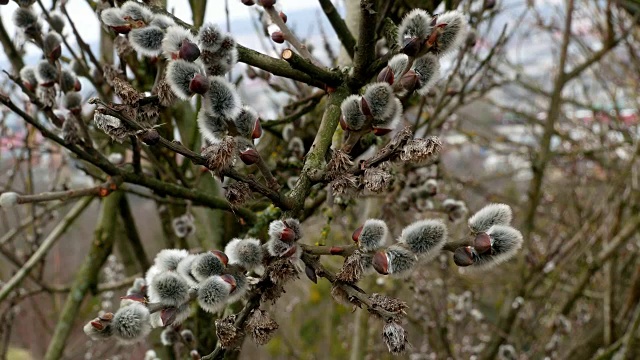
275 229
398 64
277 247
222 99
401 260
246 121
173 40
9 199
244 252
25 18
379 96
136 11
492 214
184 269
168 289
212 127
210 37
96 334
179 75
112 17
426 237
147 41
28 74
242 287
454 32
373 234
505 243
131 323
206 265
162 21
352 113
428 70
417 23
168 259
213 293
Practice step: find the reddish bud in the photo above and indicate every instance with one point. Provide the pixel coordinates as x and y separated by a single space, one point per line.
257 130
267 3
77 86
410 81
343 123
278 37
381 131
386 75
55 53
220 255
189 51
489 4
249 156
287 235
364 106
292 250
248 2
122 29
482 243
381 262
199 84
229 280
283 16
4 2
311 274
168 316
97 325
463 256
412 47
356 234
29 86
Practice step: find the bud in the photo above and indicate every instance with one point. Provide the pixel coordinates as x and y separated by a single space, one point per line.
168 289
181 77
386 75
150 137
427 68
188 337
416 24
248 2
98 330
249 156
401 260
453 31
246 253
175 39
147 41
379 98
247 123
52 46
380 262
283 16
279 230
381 131
222 99
352 115
28 77
371 235
199 84
391 121
492 214
471 39
208 264
395 337
168 259
489 4
482 243
505 243
212 293
46 74
426 237
278 37
410 81
463 256
131 323
239 286
412 46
